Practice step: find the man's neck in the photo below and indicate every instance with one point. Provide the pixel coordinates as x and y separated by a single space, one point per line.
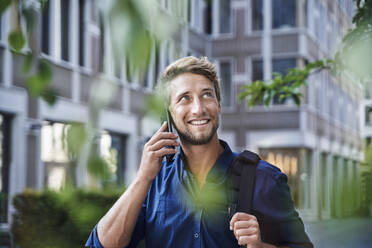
201 158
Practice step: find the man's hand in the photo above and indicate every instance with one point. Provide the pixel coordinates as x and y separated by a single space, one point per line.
154 151
246 230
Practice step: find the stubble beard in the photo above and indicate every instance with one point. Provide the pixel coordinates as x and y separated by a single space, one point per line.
188 137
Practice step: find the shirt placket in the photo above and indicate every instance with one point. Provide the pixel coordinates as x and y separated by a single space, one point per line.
196 232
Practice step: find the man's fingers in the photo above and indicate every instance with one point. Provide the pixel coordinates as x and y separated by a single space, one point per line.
241 216
161 135
245 231
245 224
245 240
164 151
162 128
162 143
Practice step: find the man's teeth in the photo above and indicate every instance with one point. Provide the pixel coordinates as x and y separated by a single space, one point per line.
201 122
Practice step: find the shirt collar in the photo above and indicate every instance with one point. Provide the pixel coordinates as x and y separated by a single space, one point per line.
219 170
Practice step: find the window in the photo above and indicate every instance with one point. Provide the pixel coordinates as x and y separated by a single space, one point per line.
282 66
45 29
208 17
81 32
189 11
368 141
156 62
64 22
368 116
257 70
226 86
129 70
324 180
112 149
59 164
257 14
101 42
306 176
1 26
287 161
225 16
5 131
284 13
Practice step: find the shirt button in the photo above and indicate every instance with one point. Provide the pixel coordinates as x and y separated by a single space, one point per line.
196 235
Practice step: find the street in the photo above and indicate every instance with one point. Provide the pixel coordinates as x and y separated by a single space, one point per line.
349 233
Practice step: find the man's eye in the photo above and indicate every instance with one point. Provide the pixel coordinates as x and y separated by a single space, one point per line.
208 94
184 98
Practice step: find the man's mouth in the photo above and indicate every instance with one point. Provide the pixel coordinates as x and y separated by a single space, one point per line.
199 122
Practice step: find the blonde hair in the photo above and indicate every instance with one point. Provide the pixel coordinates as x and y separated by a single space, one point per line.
190 64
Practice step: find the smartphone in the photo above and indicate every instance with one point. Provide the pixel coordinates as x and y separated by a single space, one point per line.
168 118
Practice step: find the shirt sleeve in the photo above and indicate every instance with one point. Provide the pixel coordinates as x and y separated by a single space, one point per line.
281 224
137 235
93 241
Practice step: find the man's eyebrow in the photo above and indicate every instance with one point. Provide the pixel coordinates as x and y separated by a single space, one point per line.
207 89
182 94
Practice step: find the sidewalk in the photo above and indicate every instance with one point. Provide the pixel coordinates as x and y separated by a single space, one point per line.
341 233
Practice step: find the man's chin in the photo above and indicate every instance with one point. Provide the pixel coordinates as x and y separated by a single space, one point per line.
196 141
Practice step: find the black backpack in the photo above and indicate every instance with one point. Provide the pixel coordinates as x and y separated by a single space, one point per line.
241 182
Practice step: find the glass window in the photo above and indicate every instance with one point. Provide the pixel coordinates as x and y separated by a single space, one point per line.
287 161
226 85
58 164
324 180
208 17
156 62
306 176
1 26
65 10
129 70
189 11
282 66
369 115
45 28
284 13
112 149
257 70
81 32
5 131
225 16
257 14
101 42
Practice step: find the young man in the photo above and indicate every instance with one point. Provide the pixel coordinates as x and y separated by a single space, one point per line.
183 203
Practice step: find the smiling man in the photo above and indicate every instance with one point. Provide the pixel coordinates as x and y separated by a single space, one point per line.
183 202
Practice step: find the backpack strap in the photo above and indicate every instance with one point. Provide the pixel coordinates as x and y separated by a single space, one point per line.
241 182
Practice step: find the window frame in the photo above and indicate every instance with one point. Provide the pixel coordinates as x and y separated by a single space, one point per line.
232 106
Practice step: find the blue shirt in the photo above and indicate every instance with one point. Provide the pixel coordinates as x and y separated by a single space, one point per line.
176 213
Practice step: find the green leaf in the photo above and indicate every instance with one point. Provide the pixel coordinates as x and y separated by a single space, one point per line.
49 96
98 167
45 70
43 3
296 99
35 85
27 62
16 40
76 136
4 4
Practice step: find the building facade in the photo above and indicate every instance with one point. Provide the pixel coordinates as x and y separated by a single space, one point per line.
318 145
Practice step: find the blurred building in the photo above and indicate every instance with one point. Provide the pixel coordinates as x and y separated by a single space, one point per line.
366 169
318 145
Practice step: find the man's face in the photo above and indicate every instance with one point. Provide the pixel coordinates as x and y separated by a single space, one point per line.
194 107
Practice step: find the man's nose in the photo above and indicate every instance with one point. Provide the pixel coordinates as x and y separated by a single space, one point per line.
197 107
